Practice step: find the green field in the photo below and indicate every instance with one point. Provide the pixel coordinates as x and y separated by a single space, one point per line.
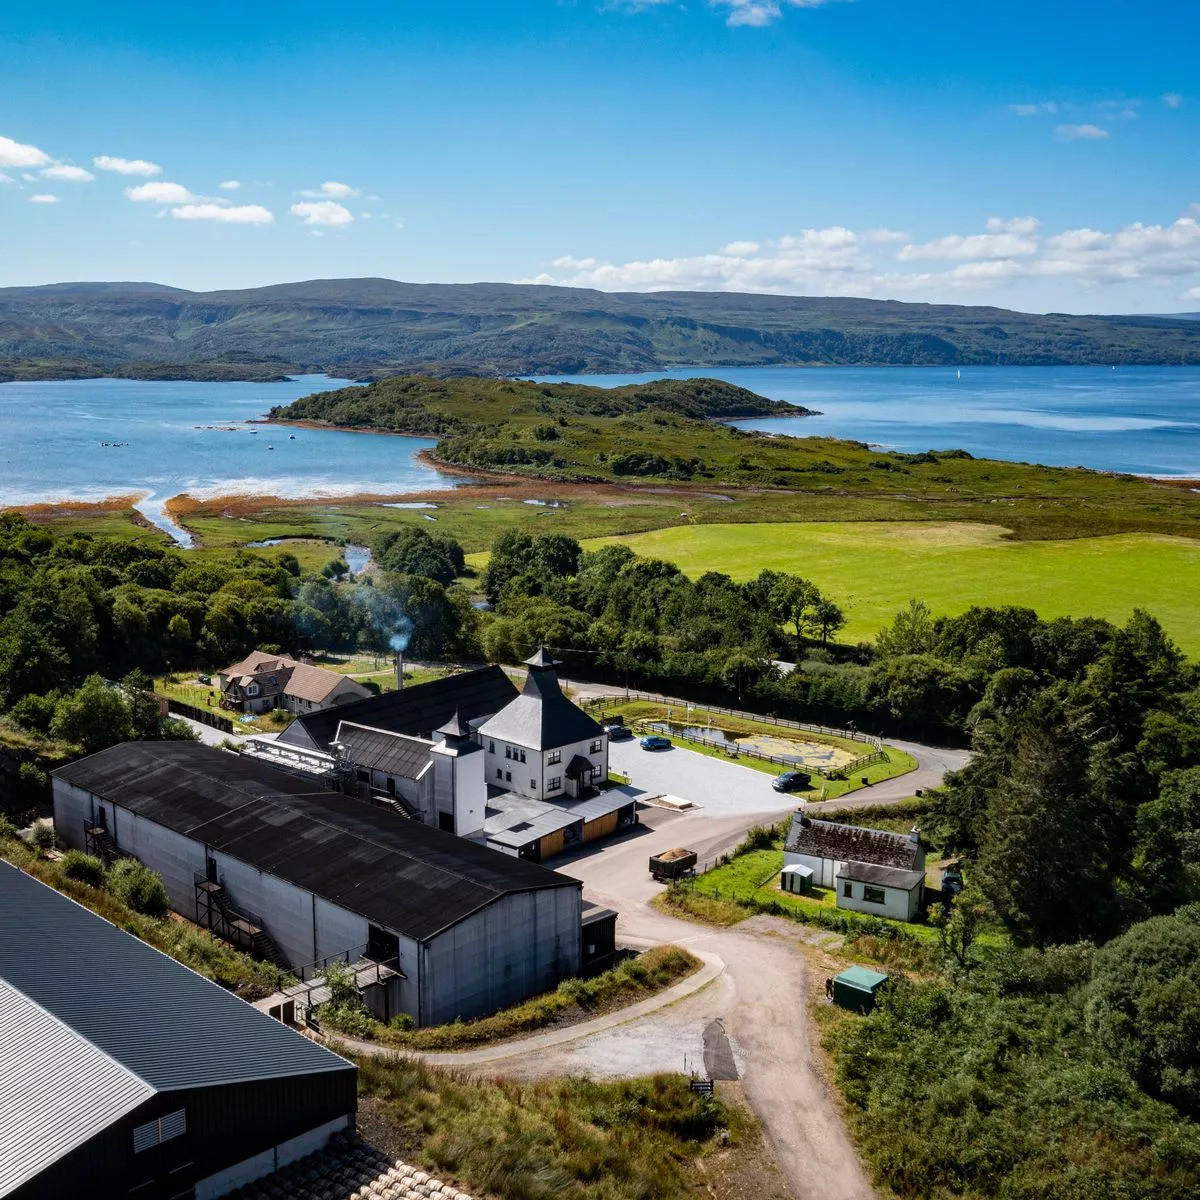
873 568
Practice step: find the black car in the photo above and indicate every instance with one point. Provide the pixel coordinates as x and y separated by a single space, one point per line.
952 881
618 733
792 781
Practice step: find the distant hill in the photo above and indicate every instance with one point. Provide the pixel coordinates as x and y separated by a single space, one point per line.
373 327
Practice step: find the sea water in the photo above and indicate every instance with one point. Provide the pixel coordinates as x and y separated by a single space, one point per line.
1142 420
91 439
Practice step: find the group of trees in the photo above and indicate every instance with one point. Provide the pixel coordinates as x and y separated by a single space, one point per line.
78 613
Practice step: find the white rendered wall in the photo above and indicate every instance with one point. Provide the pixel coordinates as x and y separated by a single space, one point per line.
897 904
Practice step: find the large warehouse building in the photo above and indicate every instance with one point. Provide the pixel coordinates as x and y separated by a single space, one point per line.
124 1073
304 874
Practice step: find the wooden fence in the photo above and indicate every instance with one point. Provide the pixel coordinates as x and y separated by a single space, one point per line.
854 735
203 715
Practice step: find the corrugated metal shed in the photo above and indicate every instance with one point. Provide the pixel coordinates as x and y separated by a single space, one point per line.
408 877
416 710
398 754
57 1090
514 820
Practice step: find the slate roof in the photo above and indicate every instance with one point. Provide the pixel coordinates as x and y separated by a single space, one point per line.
278 674
851 843
893 877
417 710
392 753
409 877
94 1022
541 717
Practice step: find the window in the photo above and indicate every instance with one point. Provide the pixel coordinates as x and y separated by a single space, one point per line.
555 756
491 746
596 747
522 754
508 752
553 785
873 895
508 777
153 1133
848 890
499 772
533 783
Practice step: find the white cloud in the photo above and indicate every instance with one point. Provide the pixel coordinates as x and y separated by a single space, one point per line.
1076 133
43 198
1172 99
5 178
236 214
332 190
1041 109
841 261
67 173
229 185
126 166
757 13
159 193
19 154
322 212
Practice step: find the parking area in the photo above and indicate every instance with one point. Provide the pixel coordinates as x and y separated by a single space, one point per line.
718 788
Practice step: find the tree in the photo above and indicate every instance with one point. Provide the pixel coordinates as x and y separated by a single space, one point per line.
415 551
142 889
1144 1005
791 601
144 713
93 717
740 669
911 632
1168 847
958 923
827 618
1043 859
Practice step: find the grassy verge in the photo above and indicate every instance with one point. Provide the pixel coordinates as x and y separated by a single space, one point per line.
572 1001
185 689
632 1139
187 943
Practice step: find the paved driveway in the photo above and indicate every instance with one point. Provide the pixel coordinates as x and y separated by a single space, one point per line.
719 788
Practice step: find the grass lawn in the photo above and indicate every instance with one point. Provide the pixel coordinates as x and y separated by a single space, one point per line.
185 689
873 568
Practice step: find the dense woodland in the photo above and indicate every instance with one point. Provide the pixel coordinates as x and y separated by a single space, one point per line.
376 326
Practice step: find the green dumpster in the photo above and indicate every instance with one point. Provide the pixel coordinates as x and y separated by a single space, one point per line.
856 988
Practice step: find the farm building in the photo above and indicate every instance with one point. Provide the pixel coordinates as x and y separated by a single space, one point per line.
415 711
261 682
540 744
871 870
450 774
301 874
124 1073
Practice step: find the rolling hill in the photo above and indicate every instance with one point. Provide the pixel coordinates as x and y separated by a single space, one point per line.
373 327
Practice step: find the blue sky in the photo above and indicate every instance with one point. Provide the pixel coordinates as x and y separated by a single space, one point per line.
1032 155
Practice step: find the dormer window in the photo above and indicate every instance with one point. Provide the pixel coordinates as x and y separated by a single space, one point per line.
252 689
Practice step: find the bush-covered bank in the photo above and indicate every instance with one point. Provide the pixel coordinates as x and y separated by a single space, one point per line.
573 1000
632 1139
119 896
993 1084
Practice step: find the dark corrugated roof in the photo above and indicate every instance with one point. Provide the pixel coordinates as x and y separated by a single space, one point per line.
846 843
392 753
155 1017
885 876
416 710
409 877
541 717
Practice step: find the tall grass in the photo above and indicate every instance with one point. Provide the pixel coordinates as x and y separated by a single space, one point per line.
633 1139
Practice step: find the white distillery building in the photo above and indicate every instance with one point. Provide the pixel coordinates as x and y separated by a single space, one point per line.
301 874
541 745
871 870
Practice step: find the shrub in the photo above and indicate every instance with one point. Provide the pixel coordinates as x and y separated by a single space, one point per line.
86 868
402 1022
43 836
139 887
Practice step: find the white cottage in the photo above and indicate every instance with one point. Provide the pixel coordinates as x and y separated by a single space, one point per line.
541 745
871 870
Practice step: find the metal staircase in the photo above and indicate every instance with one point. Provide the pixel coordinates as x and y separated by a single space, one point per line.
216 910
99 842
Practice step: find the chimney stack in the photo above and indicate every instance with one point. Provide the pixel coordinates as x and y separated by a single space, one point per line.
399 670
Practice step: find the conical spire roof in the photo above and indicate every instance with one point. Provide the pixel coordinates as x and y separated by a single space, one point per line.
456 727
